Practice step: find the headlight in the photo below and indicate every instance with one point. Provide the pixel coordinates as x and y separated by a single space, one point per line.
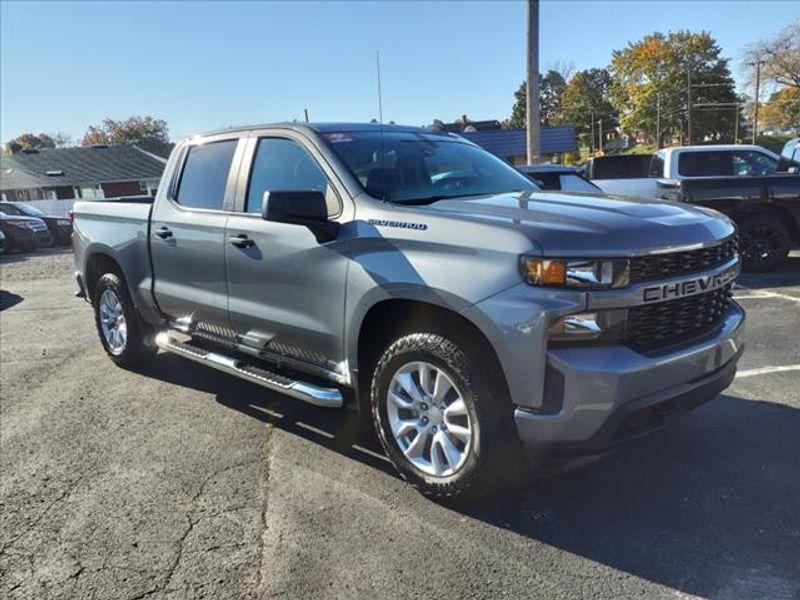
600 325
575 273
19 224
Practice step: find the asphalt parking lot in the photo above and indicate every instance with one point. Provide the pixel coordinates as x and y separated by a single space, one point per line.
175 481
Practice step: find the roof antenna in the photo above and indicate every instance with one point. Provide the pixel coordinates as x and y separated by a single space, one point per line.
380 97
380 121
305 110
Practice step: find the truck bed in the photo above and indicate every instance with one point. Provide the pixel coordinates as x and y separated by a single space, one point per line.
119 229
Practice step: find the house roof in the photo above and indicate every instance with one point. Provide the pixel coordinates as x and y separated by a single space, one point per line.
511 142
80 166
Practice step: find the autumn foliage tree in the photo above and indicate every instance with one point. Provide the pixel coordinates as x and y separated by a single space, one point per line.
652 74
147 132
30 140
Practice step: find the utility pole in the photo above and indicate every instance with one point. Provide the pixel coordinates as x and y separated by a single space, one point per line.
689 105
757 64
532 109
736 126
600 135
658 121
591 136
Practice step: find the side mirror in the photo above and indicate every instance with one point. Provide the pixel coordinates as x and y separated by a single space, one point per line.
307 208
298 208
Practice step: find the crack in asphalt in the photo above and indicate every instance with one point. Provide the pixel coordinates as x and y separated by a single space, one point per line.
166 579
267 469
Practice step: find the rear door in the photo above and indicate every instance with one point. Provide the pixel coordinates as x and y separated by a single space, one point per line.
188 233
287 290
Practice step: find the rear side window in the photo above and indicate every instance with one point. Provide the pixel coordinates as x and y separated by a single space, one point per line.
283 165
705 164
205 174
628 166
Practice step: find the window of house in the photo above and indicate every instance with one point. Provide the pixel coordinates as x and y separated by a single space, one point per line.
89 192
205 175
284 165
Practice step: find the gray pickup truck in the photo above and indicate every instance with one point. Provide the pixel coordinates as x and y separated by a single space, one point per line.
415 277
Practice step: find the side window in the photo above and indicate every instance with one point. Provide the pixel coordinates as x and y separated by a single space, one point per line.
705 164
753 163
205 174
284 165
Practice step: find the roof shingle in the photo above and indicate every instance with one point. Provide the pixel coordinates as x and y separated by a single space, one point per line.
81 166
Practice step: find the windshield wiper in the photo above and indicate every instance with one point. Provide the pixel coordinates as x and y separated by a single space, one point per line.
425 200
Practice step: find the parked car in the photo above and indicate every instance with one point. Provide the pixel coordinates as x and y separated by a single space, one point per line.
559 178
638 175
24 233
791 153
766 209
471 315
60 227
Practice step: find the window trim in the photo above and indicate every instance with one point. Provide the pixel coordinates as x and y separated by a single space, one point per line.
230 182
248 160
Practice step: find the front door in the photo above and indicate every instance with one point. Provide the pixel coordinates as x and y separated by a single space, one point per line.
188 236
286 289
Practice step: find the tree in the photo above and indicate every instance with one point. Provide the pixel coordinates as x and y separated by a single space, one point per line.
550 89
782 110
30 140
780 57
63 140
652 74
147 132
586 97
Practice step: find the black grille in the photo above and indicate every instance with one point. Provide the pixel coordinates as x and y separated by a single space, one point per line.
655 326
664 266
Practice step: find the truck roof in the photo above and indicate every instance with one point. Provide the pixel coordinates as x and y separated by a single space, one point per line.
327 127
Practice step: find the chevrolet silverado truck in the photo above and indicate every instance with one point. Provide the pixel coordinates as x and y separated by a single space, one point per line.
415 277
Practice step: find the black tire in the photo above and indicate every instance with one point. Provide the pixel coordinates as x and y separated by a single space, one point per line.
135 348
493 459
763 243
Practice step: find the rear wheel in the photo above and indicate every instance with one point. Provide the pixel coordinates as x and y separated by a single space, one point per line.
118 325
443 427
763 243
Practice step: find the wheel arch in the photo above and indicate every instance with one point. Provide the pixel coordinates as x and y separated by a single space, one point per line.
387 319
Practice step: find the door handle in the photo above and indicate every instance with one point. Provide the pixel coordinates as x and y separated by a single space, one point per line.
163 232
241 241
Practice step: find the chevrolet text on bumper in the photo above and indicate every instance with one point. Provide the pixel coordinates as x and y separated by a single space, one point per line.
412 276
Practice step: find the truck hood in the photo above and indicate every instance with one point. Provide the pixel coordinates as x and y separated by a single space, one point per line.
588 225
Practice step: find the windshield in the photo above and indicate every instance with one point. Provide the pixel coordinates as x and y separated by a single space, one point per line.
30 210
410 168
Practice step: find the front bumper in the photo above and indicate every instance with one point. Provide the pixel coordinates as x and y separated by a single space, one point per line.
611 394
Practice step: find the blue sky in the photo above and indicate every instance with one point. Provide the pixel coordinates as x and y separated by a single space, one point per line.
209 65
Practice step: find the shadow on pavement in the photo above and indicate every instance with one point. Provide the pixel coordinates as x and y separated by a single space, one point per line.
709 507
9 299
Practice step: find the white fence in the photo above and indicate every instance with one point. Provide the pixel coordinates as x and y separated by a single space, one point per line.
56 208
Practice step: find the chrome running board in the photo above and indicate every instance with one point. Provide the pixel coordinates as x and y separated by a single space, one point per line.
307 392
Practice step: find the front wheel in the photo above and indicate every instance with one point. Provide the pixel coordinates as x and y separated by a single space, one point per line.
764 243
443 427
117 322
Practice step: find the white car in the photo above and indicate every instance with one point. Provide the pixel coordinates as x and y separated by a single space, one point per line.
638 175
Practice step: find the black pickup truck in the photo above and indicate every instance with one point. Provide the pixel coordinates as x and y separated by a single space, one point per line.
766 209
